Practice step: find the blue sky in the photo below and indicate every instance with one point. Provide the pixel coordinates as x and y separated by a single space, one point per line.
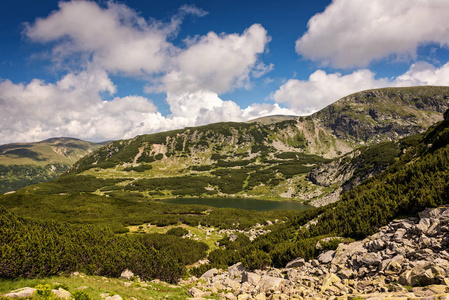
101 70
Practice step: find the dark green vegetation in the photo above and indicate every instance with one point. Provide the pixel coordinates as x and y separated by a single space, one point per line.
30 163
31 248
242 203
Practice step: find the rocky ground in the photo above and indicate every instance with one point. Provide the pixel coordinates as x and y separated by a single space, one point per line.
407 259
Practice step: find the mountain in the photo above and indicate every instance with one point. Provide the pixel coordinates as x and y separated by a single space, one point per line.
271 160
22 164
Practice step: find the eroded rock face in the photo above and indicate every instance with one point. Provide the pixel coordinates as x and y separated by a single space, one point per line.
410 252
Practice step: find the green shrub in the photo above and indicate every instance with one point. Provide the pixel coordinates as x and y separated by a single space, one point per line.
177 231
45 291
81 295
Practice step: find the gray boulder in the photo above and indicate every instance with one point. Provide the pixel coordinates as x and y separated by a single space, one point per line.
127 274
209 274
326 257
251 278
296 263
25 292
236 270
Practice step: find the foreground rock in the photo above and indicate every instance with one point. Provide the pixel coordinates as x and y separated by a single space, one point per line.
406 259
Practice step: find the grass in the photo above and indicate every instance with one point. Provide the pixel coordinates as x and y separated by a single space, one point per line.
97 285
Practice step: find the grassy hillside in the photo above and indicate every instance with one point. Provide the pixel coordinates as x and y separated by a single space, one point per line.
23 164
263 159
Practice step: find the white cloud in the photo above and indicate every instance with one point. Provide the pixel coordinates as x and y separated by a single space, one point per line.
352 33
322 89
117 37
71 107
217 63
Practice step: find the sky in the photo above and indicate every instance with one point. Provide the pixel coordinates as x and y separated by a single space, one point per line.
106 70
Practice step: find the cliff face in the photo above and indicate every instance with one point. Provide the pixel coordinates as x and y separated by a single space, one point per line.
384 114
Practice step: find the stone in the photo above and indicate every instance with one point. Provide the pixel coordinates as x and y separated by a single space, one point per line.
328 281
209 274
127 274
230 296
244 296
268 283
21 293
115 297
296 263
232 284
62 294
398 236
346 273
377 245
195 292
260 296
326 257
236 270
372 258
251 278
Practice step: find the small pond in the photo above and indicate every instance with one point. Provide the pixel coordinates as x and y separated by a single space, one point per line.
243 203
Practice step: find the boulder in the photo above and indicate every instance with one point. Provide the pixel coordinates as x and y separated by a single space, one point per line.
326 257
296 263
62 294
251 278
399 234
195 292
377 245
209 274
268 283
328 281
370 259
127 274
25 292
115 297
236 270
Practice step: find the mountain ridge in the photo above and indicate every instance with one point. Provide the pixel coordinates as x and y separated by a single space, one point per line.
269 161
22 164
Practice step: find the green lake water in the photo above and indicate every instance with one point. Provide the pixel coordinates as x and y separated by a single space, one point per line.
243 203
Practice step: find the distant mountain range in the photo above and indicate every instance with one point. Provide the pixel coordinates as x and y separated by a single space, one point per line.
22 164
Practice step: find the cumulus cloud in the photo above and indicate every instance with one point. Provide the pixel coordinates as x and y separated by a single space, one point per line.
322 89
216 63
352 33
71 107
115 39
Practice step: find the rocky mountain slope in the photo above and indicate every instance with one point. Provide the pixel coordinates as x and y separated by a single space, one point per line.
271 160
22 164
407 258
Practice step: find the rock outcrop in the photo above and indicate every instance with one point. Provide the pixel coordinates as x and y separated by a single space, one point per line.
408 258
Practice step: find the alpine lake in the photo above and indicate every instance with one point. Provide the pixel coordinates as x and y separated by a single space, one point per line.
242 203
